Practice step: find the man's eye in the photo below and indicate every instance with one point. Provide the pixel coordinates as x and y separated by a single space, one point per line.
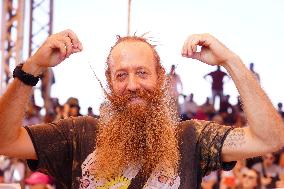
121 75
142 73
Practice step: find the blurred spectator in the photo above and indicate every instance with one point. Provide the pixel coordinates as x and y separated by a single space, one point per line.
250 179
268 170
240 120
189 107
175 85
228 180
32 115
226 111
59 110
208 108
8 73
209 181
238 107
281 162
279 106
71 108
47 80
15 171
1 176
91 113
251 67
39 180
280 183
200 114
225 105
232 179
217 83
218 119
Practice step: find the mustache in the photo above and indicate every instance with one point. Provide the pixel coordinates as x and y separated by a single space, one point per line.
149 96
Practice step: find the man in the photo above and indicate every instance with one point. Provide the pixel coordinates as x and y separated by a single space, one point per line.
269 171
217 83
251 67
175 85
137 141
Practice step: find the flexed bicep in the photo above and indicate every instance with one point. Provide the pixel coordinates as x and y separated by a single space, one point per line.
240 144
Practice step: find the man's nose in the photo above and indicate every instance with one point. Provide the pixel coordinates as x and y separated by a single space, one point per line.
133 83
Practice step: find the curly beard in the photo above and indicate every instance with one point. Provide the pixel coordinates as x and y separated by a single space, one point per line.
137 135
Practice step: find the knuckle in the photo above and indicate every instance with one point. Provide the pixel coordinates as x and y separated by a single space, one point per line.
207 35
69 30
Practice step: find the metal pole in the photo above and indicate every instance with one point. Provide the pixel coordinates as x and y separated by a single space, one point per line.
51 4
128 19
30 28
2 37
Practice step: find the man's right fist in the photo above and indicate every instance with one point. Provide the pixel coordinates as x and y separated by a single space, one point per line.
54 50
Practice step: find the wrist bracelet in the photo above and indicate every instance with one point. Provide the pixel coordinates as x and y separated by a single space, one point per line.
26 78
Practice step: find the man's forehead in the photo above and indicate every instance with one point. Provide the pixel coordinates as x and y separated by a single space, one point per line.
131 50
127 47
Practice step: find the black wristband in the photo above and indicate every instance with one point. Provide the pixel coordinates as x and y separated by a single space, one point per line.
26 78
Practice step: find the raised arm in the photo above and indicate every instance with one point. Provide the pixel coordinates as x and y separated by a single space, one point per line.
14 139
265 132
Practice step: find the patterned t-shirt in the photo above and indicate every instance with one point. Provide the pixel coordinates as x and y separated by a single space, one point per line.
66 150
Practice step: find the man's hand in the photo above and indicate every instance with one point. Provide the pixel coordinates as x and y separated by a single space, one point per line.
54 50
213 52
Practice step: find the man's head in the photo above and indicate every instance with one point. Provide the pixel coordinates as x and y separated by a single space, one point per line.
268 159
73 107
191 96
173 69
250 179
279 105
251 66
136 125
133 65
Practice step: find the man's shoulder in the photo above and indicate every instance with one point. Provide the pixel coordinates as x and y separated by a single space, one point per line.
76 123
193 124
84 121
203 129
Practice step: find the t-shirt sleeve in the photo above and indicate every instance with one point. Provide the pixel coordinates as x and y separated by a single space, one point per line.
53 146
210 139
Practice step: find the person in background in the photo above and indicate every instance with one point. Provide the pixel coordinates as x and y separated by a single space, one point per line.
217 77
251 67
250 179
281 112
209 181
280 182
269 171
39 180
71 108
175 85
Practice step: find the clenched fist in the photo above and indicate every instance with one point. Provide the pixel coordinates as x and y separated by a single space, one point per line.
213 52
54 50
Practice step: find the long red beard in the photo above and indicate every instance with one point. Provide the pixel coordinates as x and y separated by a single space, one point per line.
133 135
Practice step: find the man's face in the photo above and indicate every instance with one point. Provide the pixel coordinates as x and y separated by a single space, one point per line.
132 68
249 179
268 159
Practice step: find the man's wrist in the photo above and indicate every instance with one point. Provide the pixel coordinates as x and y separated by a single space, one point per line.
31 68
232 60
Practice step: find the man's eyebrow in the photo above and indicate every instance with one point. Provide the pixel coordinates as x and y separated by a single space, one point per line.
137 68
119 70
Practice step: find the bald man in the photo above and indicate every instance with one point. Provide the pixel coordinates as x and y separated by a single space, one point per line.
138 141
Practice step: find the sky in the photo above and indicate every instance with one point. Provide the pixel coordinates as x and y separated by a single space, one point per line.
252 29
